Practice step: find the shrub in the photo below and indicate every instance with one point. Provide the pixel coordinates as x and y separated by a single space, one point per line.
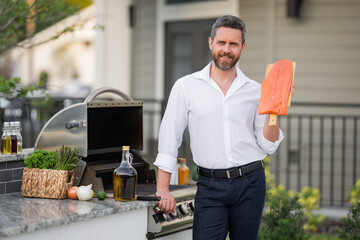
309 199
282 219
351 228
355 193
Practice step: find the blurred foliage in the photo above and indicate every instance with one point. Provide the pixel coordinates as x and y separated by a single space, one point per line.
10 88
307 201
355 193
310 200
283 217
351 229
80 3
194 174
17 15
270 182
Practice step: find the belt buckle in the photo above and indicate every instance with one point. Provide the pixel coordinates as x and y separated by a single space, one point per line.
229 176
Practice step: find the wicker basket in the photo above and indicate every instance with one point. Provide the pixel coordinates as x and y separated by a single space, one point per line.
46 183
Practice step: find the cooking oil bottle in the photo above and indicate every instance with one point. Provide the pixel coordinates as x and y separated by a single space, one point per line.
18 136
125 178
6 139
13 138
183 172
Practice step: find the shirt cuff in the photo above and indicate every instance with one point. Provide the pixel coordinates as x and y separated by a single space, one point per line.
165 162
268 146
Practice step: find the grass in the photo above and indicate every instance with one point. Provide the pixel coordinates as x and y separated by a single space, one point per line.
324 237
317 237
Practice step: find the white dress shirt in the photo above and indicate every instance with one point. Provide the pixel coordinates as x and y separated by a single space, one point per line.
225 130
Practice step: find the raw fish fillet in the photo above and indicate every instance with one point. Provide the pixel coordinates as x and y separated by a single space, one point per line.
275 89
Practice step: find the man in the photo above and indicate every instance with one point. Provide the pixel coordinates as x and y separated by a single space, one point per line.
228 139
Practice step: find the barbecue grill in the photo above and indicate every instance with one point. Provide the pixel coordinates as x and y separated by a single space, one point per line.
99 129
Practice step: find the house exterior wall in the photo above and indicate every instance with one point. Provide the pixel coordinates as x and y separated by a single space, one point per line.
113 45
143 49
323 42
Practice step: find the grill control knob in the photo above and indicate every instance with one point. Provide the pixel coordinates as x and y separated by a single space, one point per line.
167 217
178 213
190 208
159 217
183 210
172 216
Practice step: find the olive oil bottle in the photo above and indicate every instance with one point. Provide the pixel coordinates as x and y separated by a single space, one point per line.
14 145
125 178
6 139
18 136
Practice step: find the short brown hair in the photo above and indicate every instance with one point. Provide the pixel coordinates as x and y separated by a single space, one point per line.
230 22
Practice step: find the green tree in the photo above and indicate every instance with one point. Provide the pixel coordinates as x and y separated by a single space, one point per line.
22 19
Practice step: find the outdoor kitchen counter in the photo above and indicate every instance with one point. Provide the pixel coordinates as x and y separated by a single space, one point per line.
21 217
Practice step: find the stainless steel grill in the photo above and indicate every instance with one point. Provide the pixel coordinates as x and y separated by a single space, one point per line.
98 129
161 224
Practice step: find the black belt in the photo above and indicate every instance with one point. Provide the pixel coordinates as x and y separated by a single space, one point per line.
231 172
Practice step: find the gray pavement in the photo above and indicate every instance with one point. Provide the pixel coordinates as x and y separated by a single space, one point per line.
333 212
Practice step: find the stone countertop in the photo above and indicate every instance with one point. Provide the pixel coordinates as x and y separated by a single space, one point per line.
15 157
20 215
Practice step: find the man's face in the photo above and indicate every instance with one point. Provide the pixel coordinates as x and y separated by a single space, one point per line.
226 47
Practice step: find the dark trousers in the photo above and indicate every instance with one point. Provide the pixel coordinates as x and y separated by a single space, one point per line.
229 205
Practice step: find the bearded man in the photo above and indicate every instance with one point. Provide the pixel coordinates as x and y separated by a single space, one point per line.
228 139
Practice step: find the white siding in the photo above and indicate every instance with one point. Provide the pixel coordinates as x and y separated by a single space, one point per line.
143 52
325 43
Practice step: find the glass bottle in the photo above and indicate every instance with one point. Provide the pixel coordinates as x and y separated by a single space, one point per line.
6 139
183 172
13 138
125 178
19 137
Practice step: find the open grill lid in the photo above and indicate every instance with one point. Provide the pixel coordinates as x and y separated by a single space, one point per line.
95 127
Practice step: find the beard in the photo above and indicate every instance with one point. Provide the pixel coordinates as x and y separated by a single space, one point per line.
225 65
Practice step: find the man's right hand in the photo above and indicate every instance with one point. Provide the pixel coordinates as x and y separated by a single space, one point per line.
167 203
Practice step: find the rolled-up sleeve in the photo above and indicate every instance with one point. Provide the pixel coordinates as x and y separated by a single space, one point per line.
172 128
267 146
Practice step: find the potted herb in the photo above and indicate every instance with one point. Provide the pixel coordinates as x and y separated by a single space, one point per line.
49 174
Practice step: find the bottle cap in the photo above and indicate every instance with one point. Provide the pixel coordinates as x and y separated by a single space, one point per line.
182 160
126 148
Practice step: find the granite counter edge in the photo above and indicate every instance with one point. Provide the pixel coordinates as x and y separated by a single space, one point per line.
122 208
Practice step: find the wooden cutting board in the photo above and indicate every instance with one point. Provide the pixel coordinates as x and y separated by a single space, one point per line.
273 117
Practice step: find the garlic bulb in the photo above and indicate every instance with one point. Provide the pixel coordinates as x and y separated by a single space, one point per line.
85 193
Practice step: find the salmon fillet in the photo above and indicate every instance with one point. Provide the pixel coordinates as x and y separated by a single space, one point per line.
275 89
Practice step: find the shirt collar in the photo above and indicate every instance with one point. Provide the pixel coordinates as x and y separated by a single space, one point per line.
204 74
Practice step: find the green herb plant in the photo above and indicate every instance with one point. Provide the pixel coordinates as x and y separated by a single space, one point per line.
67 158
41 159
63 159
